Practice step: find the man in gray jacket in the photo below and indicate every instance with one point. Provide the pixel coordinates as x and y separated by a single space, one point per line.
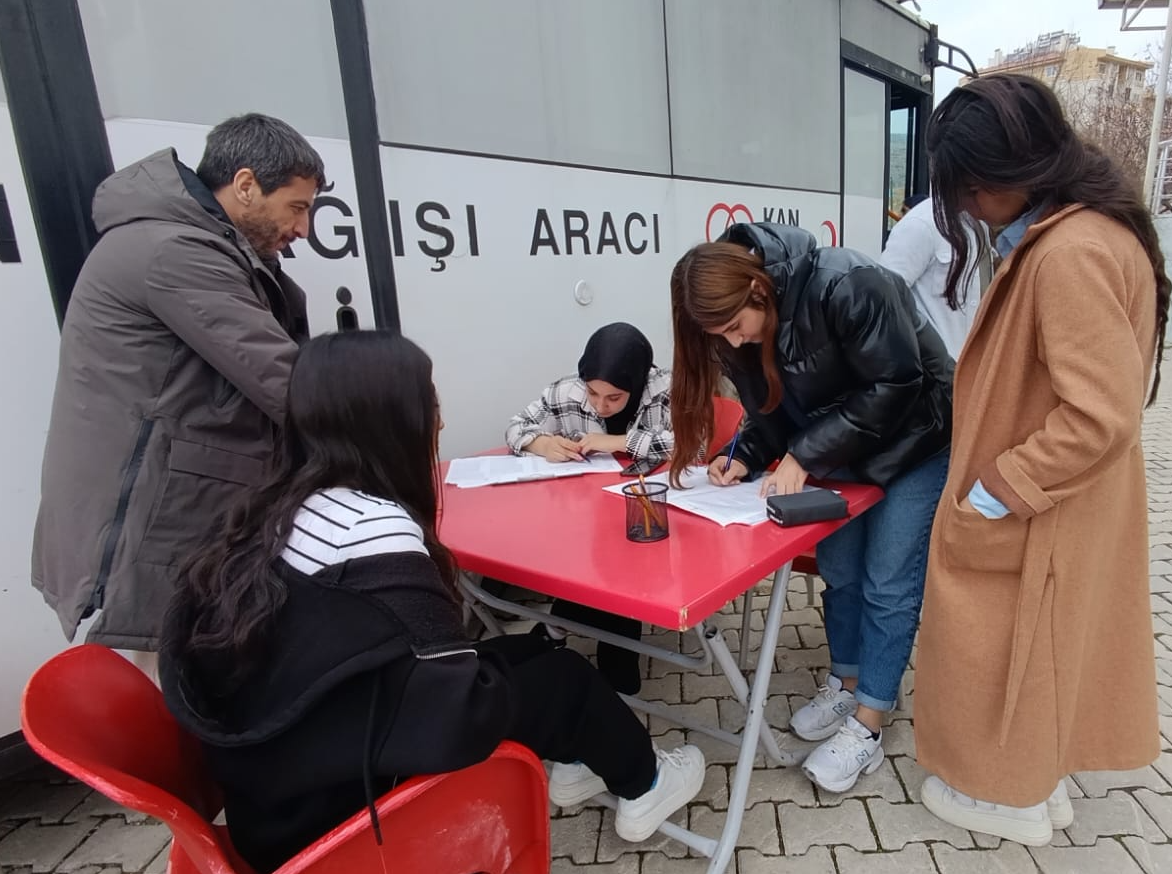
175 356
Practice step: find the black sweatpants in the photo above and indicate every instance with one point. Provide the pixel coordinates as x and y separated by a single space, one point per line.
568 713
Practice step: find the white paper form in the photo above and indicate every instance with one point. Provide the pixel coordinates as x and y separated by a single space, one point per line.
739 504
489 470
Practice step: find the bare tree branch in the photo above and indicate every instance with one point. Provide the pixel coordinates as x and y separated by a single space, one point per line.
1108 100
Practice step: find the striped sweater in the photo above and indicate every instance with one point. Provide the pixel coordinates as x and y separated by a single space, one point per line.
337 525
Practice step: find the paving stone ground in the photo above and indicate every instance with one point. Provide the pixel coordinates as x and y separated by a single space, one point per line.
1123 821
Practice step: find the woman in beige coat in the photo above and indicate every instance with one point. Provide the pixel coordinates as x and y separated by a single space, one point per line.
1036 656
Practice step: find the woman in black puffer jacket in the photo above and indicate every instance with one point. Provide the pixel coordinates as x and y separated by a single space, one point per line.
839 376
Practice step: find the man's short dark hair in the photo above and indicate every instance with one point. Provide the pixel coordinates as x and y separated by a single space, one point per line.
270 148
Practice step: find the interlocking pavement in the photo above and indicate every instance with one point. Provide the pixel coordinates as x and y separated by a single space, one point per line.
1123 821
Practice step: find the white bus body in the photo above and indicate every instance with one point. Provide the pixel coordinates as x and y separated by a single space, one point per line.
544 167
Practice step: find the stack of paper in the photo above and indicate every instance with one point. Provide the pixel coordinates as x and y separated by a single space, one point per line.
489 470
739 504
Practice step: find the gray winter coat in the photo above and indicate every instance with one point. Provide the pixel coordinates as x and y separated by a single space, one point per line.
175 358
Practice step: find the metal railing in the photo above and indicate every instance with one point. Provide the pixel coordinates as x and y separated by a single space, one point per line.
1161 201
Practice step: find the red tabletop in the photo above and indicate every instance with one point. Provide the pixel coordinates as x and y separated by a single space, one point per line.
566 538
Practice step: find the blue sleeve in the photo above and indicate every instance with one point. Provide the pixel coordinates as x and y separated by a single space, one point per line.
985 504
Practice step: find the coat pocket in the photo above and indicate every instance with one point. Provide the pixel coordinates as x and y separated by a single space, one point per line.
970 541
201 483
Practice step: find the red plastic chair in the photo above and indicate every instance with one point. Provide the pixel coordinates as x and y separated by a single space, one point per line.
806 563
729 414
97 717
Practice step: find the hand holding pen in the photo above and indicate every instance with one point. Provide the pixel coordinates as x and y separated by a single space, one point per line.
727 470
732 450
555 448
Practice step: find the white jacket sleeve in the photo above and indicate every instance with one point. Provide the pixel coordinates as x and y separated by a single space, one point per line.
911 246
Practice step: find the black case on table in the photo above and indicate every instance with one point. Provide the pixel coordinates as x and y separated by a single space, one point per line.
804 508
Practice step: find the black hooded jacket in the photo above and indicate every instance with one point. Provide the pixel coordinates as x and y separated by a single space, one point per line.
369 678
867 381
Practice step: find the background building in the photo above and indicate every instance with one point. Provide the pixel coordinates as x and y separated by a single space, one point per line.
1108 98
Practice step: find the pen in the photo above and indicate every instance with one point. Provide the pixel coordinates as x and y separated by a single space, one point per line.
731 450
578 435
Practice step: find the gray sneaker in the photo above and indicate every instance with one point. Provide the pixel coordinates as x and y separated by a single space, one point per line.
851 752
826 713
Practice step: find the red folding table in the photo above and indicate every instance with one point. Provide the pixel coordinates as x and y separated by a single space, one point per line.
566 538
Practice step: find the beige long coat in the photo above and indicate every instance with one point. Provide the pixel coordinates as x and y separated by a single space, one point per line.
1036 654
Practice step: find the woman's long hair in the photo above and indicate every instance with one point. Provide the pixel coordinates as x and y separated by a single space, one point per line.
1006 132
709 286
362 414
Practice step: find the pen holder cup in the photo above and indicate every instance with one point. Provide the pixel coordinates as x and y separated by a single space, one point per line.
646 511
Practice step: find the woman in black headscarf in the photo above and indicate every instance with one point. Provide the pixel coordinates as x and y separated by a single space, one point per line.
618 402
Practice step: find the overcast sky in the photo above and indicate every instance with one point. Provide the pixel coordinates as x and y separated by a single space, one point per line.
982 26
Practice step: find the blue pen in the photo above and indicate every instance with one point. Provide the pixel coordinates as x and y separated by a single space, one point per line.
731 450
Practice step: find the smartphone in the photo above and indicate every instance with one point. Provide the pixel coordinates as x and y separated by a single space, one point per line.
640 468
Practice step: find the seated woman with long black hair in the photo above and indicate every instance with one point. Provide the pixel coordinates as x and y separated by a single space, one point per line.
314 644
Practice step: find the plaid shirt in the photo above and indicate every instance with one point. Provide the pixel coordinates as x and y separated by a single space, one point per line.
563 409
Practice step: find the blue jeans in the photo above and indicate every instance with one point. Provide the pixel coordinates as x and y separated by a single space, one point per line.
874 570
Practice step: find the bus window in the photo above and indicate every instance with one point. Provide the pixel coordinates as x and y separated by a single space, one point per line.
899 164
864 165
903 172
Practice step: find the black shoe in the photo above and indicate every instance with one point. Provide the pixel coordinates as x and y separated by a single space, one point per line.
620 668
494 587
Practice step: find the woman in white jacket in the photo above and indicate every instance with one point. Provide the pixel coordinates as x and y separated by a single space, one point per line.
918 252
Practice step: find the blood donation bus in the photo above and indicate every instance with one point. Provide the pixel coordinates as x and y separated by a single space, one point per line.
504 177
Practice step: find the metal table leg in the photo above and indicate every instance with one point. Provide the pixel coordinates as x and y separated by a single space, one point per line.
739 791
714 648
740 686
746 619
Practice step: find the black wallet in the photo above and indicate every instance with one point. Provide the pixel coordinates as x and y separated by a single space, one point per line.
803 508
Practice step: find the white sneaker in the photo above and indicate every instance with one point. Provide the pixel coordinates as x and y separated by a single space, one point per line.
573 784
826 712
1059 808
1025 825
677 780
837 764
